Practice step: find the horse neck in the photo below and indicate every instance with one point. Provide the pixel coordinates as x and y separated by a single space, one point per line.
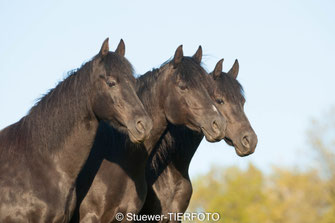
185 144
149 95
63 124
174 150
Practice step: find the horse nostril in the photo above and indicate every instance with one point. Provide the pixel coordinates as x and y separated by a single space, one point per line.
140 126
249 142
215 126
246 141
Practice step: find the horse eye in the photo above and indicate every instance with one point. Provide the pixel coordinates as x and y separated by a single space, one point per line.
220 101
111 83
182 87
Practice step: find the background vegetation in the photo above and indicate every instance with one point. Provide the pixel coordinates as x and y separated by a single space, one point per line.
281 195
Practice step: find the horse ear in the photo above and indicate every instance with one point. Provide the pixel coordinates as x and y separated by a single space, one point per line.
104 48
178 56
121 48
234 70
198 55
218 69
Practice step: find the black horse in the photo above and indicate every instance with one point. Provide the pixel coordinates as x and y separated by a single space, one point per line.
169 185
41 155
175 93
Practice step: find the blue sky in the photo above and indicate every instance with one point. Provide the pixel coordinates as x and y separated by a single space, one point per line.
286 51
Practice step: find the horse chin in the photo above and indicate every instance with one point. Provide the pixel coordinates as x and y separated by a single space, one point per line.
118 126
240 153
133 138
237 149
209 137
228 141
194 128
131 134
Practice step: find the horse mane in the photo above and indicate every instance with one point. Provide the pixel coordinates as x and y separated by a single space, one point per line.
187 68
145 85
119 65
161 155
185 71
146 81
51 118
230 88
177 142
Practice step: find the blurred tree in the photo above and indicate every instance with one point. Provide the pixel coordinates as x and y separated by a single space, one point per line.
295 197
321 136
250 197
237 195
284 196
